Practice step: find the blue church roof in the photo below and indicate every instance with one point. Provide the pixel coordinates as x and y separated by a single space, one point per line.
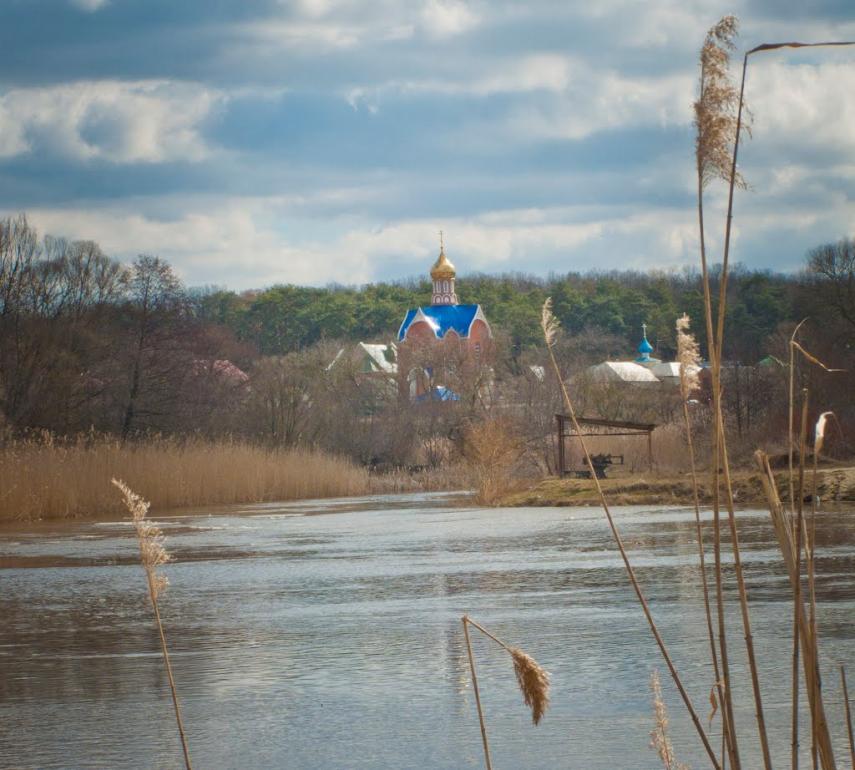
442 319
439 393
645 346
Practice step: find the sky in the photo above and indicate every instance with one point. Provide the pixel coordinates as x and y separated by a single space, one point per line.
256 142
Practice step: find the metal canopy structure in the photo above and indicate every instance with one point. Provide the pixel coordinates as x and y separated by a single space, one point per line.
599 427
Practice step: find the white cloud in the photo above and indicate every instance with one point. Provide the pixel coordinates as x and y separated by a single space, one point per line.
578 100
123 122
305 35
608 100
802 104
90 6
447 18
314 8
539 72
253 242
242 243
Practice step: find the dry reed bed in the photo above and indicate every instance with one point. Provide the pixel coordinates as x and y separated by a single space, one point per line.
441 479
43 479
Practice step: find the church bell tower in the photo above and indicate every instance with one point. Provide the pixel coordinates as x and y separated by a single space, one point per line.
442 274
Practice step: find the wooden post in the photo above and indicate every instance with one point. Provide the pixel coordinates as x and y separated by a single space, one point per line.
650 449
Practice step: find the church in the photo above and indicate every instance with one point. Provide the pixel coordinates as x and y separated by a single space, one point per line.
440 342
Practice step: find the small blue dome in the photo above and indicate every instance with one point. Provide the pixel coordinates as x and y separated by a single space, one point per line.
645 346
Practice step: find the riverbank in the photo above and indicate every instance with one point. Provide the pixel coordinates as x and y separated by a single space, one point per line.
835 484
46 479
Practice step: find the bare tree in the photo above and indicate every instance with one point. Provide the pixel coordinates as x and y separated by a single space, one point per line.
53 294
154 310
834 265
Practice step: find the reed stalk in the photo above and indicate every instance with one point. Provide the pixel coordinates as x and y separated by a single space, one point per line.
743 598
719 418
790 415
715 123
817 679
819 440
689 358
488 763
795 346
810 660
549 324
733 181
848 716
799 523
152 556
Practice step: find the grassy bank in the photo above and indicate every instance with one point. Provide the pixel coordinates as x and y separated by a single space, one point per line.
44 479
834 485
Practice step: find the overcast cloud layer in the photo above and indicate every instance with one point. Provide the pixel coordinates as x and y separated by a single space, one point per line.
322 141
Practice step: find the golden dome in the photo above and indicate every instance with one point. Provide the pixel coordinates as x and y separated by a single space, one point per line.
442 268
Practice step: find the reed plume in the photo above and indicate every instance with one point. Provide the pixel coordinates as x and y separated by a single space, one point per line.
819 432
532 678
716 107
689 358
659 738
153 555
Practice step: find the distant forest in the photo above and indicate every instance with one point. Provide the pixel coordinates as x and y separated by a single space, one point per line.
612 304
87 343
281 319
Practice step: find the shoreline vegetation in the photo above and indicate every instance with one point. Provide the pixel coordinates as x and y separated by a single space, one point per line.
834 485
49 479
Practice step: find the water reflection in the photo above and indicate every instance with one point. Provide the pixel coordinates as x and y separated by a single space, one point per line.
309 640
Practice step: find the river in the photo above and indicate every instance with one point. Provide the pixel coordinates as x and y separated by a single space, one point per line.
327 635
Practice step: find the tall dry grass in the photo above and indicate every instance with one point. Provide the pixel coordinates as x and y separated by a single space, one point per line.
153 555
532 679
43 478
719 121
550 327
443 478
492 452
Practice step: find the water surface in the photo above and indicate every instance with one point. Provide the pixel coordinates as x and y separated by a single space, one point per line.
327 635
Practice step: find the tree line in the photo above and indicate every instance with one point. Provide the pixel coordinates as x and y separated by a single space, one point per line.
87 343
282 319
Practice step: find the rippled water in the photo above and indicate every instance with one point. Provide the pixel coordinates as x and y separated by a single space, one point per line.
327 635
